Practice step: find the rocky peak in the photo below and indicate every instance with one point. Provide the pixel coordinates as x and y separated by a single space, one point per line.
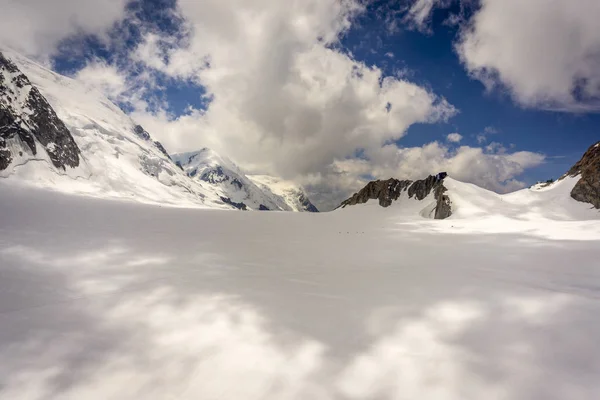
28 122
387 191
587 189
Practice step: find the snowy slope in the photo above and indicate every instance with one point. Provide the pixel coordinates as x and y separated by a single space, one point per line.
118 300
290 193
471 202
234 186
118 158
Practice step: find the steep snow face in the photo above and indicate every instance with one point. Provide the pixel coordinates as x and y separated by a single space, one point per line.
229 181
291 194
119 159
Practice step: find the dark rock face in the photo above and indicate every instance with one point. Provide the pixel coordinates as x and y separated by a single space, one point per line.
239 206
144 135
214 176
443 208
141 132
306 204
587 190
162 149
421 189
390 190
385 191
236 182
26 116
263 208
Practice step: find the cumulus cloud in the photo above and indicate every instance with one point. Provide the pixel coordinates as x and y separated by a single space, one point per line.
547 53
35 27
284 99
105 77
418 15
454 137
494 170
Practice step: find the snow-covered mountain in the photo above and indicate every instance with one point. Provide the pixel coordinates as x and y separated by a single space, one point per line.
575 196
242 191
289 192
59 133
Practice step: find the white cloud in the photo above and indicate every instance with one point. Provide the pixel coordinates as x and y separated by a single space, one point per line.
454 137
493 171
547 53
35 27
284 101
105 78
287 103
469 164
482 137
496 148
419 14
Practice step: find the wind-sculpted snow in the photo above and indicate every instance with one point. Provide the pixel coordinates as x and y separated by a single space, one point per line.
104 299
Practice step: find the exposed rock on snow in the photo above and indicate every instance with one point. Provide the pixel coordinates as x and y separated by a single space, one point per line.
28 123
57 122
390 190
384 191
587 189
50 122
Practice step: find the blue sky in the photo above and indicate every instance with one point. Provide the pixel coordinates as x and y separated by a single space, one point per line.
428 58
432 61
298 89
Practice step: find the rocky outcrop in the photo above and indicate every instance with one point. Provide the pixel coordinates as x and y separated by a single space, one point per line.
587 189
390 190
239 206
443 208
28 121
384 191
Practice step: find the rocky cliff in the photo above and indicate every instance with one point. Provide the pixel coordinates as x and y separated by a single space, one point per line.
587 189
28 123
390 190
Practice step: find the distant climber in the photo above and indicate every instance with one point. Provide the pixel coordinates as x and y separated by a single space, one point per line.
441 176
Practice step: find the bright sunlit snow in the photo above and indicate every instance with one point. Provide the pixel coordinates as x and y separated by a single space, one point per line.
106 299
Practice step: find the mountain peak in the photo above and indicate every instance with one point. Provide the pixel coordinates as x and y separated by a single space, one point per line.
238 189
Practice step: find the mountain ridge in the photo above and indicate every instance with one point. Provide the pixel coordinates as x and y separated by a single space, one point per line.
59 133
243 191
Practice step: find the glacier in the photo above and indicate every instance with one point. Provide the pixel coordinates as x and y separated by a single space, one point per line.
114 299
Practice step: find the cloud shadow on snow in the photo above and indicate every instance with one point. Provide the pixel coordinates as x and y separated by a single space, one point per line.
122 316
